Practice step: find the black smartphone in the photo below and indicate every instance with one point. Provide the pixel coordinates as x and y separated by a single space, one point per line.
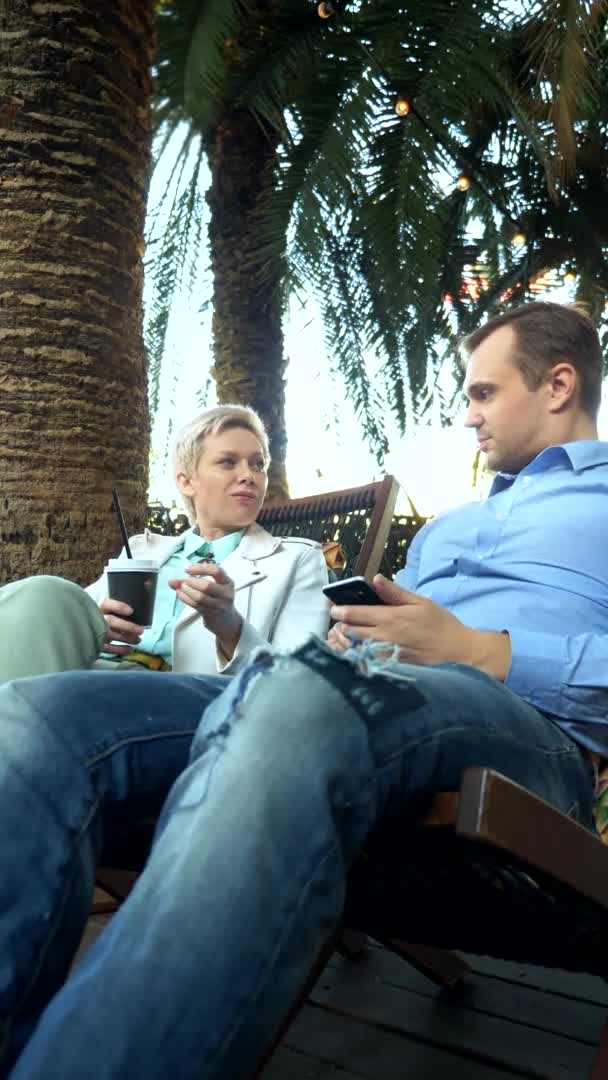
352 590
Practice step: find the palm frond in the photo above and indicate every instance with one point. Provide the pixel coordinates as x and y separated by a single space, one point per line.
362 211
565 39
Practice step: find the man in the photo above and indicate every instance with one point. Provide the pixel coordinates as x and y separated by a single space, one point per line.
497 658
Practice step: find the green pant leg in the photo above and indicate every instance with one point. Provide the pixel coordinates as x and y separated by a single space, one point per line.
47 625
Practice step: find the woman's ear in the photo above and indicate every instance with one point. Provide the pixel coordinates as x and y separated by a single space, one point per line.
184 483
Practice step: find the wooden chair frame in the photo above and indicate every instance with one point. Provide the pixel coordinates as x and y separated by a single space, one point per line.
379 497
497 818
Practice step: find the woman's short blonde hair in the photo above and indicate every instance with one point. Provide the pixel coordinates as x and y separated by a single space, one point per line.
188 444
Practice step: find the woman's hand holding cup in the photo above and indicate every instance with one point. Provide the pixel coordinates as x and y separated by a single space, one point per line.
117 615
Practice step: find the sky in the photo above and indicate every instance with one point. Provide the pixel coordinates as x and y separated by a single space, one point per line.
432 464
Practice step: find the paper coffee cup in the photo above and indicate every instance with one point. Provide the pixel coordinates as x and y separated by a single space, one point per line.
134 582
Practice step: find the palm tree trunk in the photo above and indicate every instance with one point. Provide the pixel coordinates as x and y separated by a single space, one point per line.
249 365
74 163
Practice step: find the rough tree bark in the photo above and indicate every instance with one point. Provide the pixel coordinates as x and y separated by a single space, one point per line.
249 365
75 92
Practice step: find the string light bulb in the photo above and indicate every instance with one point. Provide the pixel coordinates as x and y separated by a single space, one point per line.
402 106
463 182
519 239
570 277
325 9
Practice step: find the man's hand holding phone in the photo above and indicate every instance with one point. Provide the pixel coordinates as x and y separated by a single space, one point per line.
351 592
425 632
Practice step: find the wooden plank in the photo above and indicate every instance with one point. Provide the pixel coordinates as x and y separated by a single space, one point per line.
582 987
510 1000
451 1026
103 903
373 1053
290 1064
553 980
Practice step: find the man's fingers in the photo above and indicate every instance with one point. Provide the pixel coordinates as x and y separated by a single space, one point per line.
366 633
393 594
359 614
337 639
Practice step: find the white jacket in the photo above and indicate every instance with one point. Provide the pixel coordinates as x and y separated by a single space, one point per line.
282 607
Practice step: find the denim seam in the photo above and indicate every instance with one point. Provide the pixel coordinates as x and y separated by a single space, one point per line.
129 740
52 929
268 969
424 740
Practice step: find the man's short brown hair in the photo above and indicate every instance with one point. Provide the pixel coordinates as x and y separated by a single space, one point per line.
546 333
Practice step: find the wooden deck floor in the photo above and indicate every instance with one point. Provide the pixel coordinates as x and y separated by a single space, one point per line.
376 1018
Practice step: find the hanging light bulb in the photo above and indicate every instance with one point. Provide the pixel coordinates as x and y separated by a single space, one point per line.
463 182
570 277
519 239
325 9
402 106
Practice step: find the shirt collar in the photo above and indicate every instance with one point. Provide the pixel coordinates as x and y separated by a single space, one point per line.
192 541
222 547
580 455
586 453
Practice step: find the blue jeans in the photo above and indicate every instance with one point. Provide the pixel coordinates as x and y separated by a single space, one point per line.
288 772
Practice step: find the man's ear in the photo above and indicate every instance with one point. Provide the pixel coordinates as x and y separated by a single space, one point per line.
184 483
562 382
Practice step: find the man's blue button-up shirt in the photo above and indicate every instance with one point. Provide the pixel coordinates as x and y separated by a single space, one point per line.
532 559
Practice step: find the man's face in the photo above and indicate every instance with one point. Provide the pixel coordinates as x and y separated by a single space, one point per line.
511 422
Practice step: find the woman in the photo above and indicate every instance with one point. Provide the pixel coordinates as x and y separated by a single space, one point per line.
225 586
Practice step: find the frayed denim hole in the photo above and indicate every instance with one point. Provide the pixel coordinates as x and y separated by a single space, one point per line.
199 780
212 743
383 685
232 698
378 658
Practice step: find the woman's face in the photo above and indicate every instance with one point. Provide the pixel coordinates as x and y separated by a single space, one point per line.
228 484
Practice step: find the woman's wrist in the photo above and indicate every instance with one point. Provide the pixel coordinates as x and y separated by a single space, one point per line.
229 637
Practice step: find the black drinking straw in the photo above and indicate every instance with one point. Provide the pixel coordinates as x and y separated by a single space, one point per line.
121 522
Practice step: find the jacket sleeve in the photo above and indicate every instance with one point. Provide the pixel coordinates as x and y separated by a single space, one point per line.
303 610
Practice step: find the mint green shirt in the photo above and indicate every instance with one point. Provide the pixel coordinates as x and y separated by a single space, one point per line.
167 609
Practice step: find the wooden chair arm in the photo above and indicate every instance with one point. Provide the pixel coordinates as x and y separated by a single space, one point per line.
496 811
372 550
